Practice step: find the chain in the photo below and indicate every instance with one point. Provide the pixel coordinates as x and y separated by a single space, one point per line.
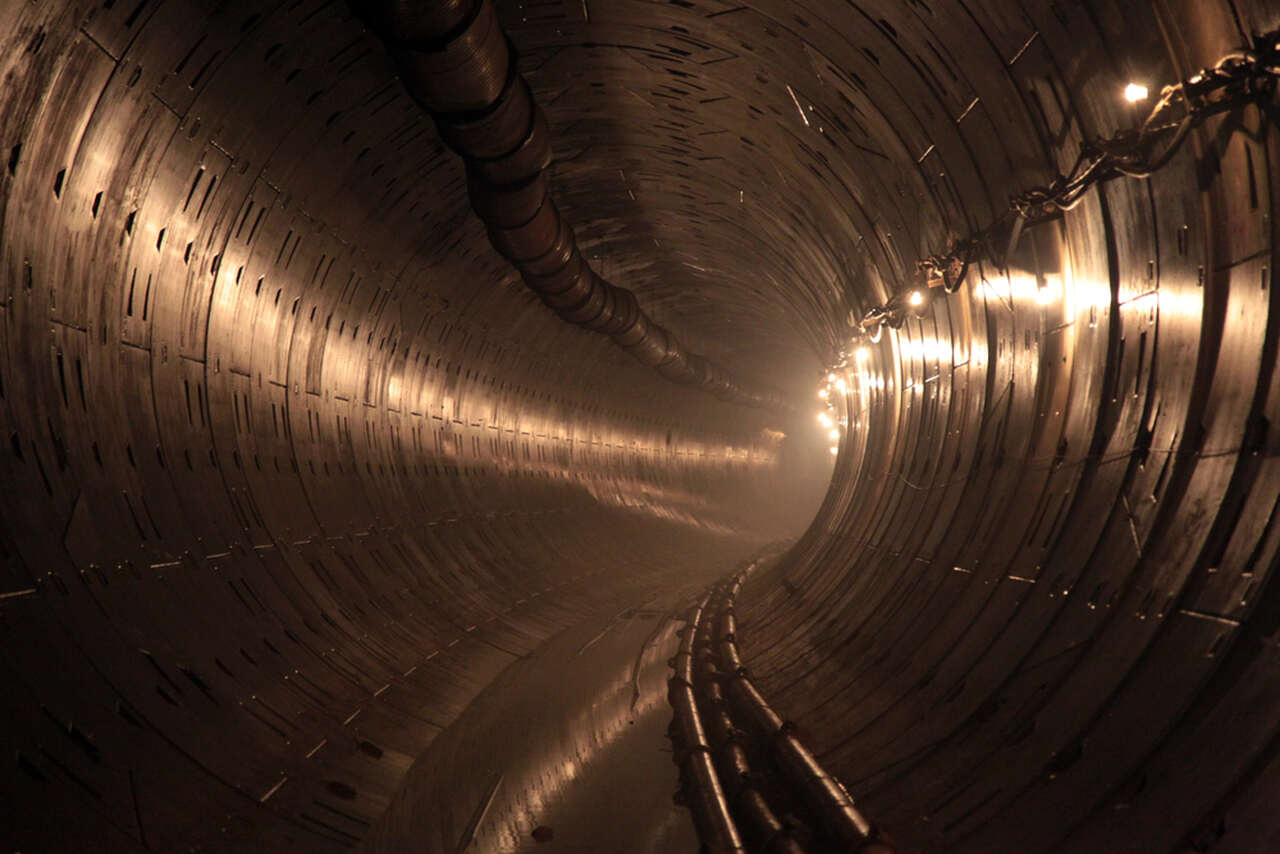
1242 76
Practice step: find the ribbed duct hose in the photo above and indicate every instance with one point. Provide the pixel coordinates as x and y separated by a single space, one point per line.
456 62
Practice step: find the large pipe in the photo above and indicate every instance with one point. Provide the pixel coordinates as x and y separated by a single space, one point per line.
457 63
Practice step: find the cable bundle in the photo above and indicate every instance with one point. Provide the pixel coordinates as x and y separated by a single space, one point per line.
1240 77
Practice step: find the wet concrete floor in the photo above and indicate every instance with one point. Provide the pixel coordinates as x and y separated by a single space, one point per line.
569 742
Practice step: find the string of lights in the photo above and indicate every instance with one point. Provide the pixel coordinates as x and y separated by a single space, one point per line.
1243 76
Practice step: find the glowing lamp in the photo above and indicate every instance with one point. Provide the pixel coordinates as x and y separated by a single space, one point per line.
1135 92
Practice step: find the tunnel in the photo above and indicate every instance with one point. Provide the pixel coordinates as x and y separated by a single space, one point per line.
335 519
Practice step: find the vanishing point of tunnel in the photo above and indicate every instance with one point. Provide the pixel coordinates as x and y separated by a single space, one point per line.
639 426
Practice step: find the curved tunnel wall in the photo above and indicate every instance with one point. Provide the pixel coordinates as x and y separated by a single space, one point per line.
1036 611
295 468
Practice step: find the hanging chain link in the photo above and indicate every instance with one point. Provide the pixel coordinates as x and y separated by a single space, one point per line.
1241 77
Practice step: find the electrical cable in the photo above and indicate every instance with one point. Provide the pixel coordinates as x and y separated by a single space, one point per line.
1241 77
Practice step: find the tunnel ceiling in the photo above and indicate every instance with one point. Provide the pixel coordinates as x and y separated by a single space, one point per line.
295 466
734 167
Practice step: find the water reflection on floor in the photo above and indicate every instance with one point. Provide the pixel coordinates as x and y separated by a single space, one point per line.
565 752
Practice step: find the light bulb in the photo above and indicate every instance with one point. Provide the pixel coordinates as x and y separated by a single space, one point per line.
1135 92
916 298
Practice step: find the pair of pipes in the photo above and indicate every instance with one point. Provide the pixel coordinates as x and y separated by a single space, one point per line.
718 712
700 787
457 63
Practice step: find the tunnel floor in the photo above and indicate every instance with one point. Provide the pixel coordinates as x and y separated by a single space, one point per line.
571 739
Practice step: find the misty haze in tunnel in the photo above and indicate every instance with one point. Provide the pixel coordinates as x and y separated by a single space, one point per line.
303 486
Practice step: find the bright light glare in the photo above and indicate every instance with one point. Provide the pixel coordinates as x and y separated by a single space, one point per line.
1135 92
833 433
822 393
841 387
863 353
834 450
831 378
824 419
916 298
1044 296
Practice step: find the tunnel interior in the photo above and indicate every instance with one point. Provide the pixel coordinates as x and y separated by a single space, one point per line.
302 482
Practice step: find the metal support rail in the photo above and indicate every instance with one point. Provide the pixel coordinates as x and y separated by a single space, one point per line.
722 719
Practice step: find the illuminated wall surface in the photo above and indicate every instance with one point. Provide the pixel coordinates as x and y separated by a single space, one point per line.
295 466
